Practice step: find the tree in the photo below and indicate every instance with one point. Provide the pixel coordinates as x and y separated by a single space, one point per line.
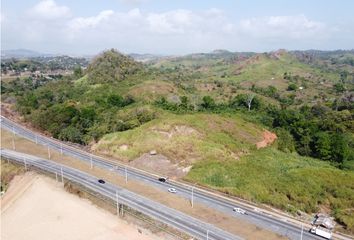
339 87
340 148
77 71
343 76
323 145
285 140
249 100
208 102
115 100
71 134
184 102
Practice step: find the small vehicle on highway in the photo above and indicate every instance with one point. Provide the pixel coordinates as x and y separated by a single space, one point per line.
101 181
162 179
172 190
239 210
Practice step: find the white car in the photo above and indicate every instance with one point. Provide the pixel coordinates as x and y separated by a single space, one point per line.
172 190
239 210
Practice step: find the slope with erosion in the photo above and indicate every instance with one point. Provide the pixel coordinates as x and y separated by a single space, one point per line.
185 139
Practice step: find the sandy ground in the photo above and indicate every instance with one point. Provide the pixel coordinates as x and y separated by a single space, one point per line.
36 207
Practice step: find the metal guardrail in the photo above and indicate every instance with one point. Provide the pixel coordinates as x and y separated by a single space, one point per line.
219 199
159 212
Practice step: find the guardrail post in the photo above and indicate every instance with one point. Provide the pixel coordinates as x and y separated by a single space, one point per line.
13 140
62 175
24 160
56 177
36 139
207 235
117 203
91 163
61 148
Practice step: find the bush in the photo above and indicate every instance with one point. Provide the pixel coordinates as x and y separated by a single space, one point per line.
285 140
292 87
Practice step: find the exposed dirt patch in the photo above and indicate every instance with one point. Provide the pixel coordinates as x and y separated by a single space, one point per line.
45 211
161 164
178 130
206 87
268 139
149 90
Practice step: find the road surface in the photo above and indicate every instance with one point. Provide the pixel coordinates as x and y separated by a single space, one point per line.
225 205
171 217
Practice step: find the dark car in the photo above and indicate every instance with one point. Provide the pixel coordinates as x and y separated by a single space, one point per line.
101 181
162 179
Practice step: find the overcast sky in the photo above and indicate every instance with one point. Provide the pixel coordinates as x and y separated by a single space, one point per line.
176 26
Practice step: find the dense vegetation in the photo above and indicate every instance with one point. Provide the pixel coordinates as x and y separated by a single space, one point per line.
225 100
42 64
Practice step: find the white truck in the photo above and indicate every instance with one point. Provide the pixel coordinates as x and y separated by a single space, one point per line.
321 232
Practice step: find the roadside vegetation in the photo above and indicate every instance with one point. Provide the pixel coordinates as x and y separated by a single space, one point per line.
286 181
8 172
209 111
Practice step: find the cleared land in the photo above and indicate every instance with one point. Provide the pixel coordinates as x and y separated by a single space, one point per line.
42 209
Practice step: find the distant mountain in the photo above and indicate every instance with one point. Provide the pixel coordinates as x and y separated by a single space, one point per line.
145 57
23 53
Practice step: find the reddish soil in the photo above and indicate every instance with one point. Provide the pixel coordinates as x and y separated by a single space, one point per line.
268 139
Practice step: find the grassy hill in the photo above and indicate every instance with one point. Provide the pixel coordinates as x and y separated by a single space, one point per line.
185 139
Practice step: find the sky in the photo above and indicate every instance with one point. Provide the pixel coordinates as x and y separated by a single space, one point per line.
175 26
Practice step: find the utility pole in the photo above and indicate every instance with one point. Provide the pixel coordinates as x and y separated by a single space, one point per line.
48 152
13 139
192 197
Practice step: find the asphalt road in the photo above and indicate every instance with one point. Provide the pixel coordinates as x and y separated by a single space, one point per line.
176 219
255 216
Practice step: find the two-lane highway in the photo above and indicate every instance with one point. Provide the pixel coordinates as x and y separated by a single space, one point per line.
225 205
171 217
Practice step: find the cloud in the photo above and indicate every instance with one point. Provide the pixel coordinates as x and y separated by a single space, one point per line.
90 22
52 26
133 2
290 27
49 10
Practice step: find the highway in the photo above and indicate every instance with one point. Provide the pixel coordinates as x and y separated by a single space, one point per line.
264 220
171 217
